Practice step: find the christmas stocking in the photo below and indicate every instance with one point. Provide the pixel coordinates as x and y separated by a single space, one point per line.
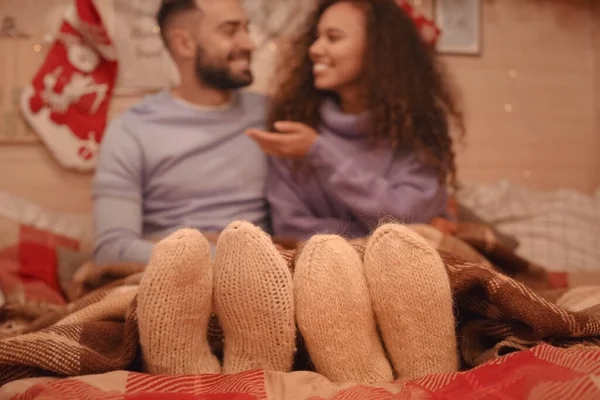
67 102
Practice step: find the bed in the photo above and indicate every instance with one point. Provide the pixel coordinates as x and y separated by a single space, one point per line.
68 328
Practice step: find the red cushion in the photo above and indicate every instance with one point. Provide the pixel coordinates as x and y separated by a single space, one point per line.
37 255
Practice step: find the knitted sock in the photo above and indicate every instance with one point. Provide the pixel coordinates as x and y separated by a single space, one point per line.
254 301
174 306
412 300
335 314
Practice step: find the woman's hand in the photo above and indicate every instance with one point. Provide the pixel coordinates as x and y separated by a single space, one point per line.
294 139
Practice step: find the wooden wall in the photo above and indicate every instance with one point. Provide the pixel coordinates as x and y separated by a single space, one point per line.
540 62
530 96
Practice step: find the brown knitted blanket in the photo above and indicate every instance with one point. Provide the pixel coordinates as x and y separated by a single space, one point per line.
502 304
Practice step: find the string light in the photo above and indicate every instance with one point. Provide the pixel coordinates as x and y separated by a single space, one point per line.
512 73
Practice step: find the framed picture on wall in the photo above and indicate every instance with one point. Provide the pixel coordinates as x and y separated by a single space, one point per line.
460 23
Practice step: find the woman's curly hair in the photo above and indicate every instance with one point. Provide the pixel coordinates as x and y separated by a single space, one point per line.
409 98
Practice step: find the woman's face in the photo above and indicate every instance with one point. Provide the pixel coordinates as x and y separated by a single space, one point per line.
337 54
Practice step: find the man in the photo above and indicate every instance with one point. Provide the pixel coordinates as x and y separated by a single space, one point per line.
180 158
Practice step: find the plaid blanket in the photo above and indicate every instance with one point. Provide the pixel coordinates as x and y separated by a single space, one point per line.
544 372
503 305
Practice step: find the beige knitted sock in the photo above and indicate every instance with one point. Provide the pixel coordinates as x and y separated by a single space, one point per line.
412 300
174 306
254 301
335 314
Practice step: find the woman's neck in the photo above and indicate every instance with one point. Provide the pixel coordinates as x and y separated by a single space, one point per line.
351 100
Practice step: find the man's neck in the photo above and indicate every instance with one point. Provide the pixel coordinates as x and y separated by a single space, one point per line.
202 95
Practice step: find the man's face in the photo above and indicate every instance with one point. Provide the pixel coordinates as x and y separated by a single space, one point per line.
224 48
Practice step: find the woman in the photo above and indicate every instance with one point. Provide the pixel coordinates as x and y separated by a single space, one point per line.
360 125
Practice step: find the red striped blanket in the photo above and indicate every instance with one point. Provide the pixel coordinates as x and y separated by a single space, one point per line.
544 373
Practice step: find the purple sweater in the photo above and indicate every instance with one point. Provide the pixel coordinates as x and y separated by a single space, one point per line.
345 186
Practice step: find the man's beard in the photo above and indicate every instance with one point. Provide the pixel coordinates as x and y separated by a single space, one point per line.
220 77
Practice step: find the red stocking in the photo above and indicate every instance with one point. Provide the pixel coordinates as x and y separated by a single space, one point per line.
67 101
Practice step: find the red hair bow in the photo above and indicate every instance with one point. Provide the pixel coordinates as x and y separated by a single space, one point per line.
429 30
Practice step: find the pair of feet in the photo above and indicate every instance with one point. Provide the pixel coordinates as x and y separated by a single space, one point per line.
388 314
